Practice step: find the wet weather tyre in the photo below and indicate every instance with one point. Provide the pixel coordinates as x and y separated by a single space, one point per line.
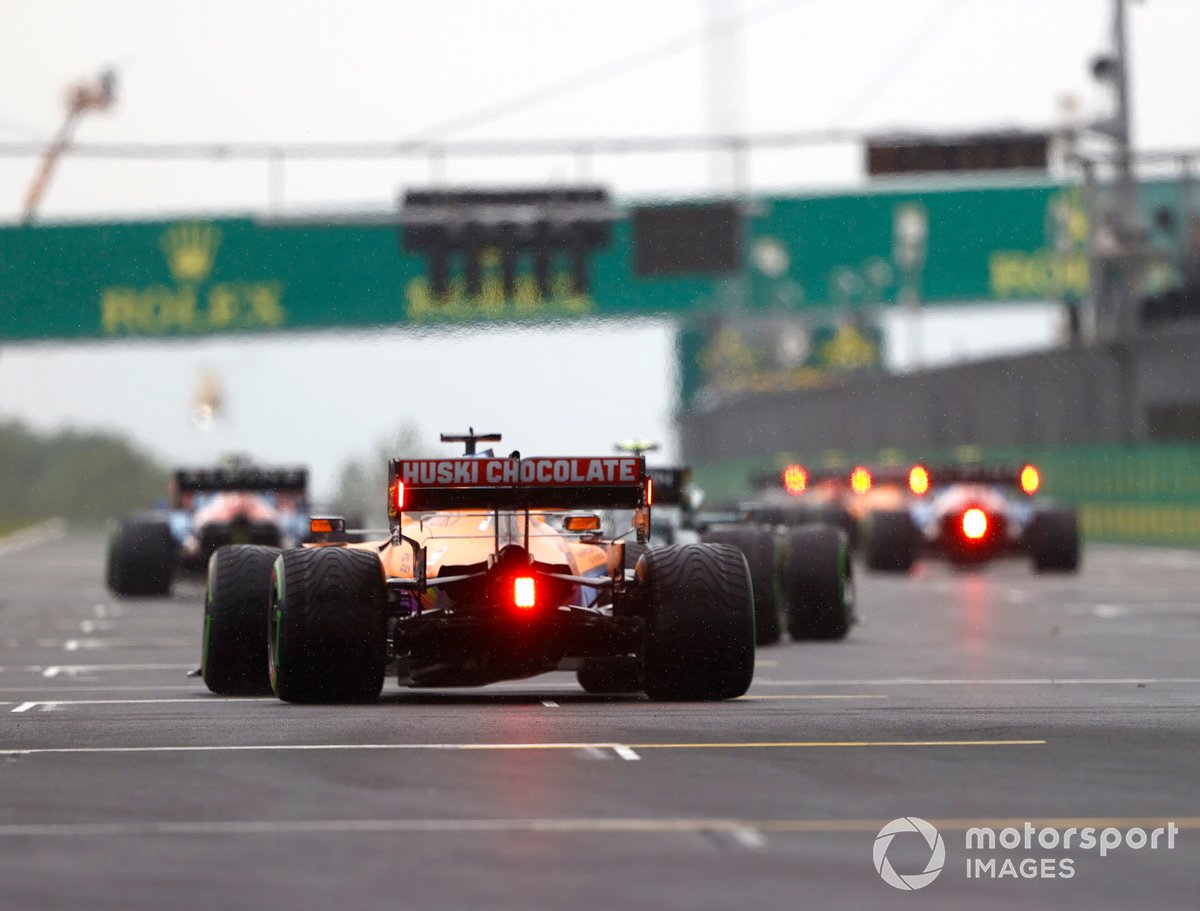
840 517
326 625
141 558
816 583
610 676
233 658
1054 541
758 545
891 541
633 553
699 622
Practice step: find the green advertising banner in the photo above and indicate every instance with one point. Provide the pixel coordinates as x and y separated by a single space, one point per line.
193 277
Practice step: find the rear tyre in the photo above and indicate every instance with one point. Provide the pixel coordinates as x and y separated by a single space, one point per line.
816 583
1054 540
610 676
758 545
326 633
891 541
840 517
141 558
233 659
699 622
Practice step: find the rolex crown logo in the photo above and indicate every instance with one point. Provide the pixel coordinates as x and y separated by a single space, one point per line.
190 248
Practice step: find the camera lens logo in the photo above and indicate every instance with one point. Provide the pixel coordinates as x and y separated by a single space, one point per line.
912 881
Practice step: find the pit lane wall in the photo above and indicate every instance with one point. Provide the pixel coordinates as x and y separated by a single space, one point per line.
1113 429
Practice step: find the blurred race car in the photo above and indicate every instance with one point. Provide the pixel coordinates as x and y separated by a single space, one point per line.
798 550
676 498
493 569
209 507
970 514
796 495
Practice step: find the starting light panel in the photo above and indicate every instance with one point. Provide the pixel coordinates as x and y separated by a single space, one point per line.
687 239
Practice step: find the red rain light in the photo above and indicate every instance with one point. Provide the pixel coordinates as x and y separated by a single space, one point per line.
1031 479
918 480
524 592
398 494
795 479
649 491
860 480
974 523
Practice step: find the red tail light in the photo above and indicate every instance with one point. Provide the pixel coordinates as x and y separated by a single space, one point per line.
860 480
524 592
1031 479
398 495
974 523
649 491
918 480
795 479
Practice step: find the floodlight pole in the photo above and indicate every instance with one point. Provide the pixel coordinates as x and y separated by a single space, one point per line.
81 98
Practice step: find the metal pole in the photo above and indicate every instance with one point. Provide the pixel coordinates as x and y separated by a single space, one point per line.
1092 321
1187 221
54 152
275 182
1128 218
583 165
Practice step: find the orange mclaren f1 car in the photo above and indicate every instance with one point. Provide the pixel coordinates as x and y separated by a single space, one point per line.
491 569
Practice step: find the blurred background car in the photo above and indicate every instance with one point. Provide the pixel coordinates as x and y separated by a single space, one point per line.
969 515
238 503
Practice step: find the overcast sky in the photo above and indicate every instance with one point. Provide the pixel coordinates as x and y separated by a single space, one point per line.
312 71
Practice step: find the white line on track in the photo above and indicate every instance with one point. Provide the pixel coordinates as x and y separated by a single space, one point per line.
807 696
71 670
74 645
550 703
42 533
88 688
625 751
60 703
749 838
581 826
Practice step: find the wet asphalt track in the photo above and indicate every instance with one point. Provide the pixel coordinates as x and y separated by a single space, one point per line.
962 698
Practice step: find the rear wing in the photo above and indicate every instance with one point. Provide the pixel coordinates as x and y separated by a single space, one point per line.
540 482
796 478
209 480
1024 477
670 485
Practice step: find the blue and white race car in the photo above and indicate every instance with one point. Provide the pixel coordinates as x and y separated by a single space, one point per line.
970 514
209 507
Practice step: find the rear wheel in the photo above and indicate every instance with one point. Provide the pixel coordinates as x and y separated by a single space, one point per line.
233 660
816 583
699 622
1054 540
891 541
758 545
326 625
141 558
